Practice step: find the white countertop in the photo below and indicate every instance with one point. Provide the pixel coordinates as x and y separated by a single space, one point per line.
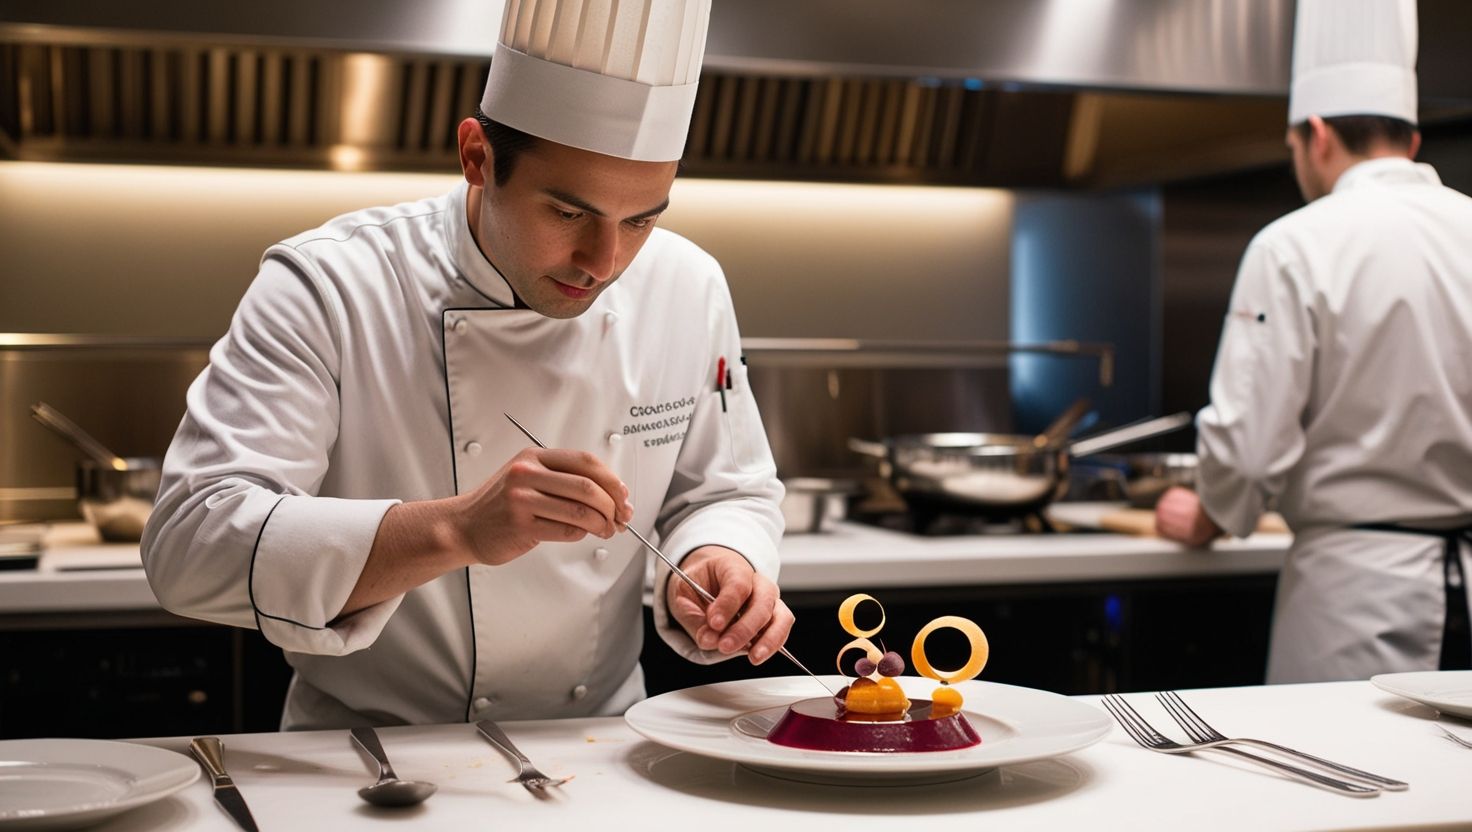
855 555
621 781
79 573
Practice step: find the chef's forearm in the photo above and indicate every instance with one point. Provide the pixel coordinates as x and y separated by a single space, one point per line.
416 543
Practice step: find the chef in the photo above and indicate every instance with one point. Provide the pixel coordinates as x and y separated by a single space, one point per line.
346 480
1342 389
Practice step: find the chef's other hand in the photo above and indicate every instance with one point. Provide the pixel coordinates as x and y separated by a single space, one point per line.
542 495
1180 517
748 613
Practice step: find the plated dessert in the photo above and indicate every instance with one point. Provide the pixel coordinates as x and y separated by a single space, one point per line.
872 713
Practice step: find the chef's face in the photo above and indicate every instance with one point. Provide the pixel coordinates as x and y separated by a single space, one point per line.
567 222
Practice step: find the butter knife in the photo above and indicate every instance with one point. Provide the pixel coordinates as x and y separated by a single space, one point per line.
211 754
680 573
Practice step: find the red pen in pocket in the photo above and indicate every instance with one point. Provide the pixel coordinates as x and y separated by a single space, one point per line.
721 381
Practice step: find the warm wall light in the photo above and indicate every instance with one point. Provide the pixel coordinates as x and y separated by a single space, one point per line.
347 157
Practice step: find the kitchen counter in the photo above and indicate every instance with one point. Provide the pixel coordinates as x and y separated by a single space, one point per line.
78 573
856 555
621 781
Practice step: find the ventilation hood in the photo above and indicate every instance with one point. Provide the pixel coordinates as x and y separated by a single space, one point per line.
1006 92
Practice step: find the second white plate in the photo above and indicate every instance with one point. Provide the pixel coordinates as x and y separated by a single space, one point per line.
1448 691
1016 724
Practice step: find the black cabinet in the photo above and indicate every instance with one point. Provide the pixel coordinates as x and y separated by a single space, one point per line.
1067 638
135 676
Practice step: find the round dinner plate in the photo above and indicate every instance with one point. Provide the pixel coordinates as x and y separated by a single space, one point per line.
1448 691
63 783
729 721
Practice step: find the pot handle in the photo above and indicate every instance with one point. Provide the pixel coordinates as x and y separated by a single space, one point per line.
867 447
1129 433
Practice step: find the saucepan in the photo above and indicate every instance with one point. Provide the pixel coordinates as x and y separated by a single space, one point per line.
114 493
998 474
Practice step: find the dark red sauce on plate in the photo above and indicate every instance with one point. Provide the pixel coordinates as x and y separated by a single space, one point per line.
816 725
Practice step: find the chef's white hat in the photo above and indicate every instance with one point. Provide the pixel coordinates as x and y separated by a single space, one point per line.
1354 57
613 76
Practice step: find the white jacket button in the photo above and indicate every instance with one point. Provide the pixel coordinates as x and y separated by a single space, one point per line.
615 438
460 326
472 448
600 553
482 703
579 692
610 318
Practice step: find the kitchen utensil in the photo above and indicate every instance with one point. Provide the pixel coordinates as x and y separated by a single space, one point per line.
810 503
1145 734
1199 731
994 473
699 590
1454 738
117 502
84 442
528 775
211 754
1062 426
115 494
389 791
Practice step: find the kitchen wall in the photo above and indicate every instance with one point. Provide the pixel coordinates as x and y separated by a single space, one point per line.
168 250
1086 267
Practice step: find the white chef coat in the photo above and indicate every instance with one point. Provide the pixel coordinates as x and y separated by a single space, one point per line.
1343 390
371 361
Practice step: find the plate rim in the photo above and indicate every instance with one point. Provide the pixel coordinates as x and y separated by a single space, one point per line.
153 788
864 764
1384 681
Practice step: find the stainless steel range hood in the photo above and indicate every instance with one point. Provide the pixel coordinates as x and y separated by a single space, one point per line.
1005 92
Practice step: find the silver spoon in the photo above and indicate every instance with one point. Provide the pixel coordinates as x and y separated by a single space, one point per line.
389 790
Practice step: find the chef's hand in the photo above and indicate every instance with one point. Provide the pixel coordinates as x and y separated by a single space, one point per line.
747 609
1180 517
542 495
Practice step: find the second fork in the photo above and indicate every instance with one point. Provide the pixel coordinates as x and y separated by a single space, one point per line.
527 774
1145 734
1198 729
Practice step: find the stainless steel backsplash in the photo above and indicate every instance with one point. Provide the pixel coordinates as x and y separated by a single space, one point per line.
131 399
810 411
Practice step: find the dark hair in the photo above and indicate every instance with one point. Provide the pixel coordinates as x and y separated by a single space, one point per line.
507 145
1361 133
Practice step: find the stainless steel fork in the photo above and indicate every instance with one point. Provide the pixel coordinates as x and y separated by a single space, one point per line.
1198 729
528 775
1456 739
1145 734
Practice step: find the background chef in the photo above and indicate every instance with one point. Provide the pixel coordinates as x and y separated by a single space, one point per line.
345 479
1343 385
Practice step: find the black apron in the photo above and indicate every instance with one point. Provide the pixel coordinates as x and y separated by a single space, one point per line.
1456 630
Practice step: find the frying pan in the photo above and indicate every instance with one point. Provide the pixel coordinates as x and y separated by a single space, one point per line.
1000 474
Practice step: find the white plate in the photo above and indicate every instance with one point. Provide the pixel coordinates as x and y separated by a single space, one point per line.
1016 725
1448 691
59 784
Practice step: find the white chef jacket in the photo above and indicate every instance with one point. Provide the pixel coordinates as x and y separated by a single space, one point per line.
371 361
1343 391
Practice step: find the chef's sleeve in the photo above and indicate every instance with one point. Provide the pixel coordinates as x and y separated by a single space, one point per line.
725 490
237 535
1252 434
